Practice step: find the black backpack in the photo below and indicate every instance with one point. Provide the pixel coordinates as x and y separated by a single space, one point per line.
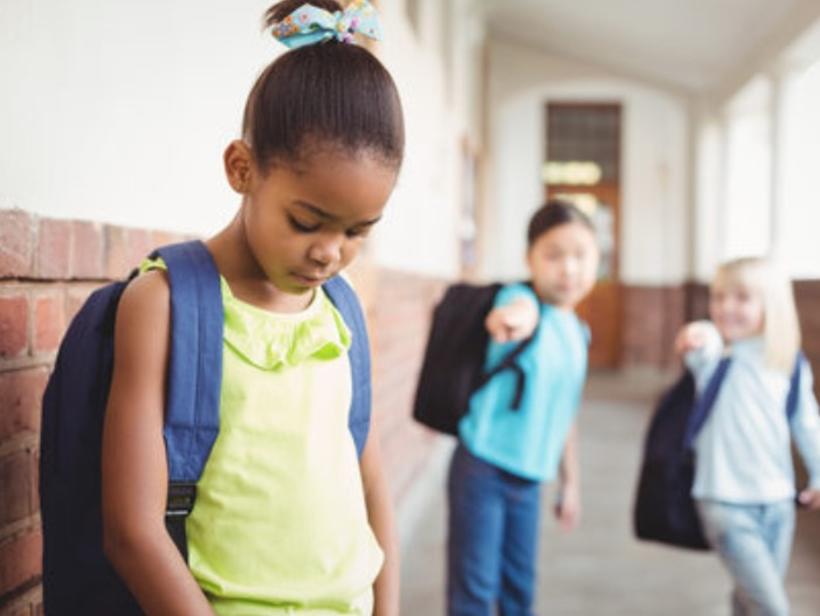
453 366
664 509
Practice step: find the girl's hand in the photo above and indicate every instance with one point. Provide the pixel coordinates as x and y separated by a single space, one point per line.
514 321
568 507
810 499
692 336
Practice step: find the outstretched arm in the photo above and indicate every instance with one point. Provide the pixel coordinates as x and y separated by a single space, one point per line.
513 321
134 468
380 515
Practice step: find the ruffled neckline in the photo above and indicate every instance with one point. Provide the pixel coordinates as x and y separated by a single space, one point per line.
272 340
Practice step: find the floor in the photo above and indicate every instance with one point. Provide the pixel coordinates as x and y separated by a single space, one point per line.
600 568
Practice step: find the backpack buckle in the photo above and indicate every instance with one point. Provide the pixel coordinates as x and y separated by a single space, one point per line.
181 498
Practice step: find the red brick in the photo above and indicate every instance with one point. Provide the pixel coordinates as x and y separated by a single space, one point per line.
117 264
21 393
54 249
17 484
15 243
14 320
87 250
20 560
48 322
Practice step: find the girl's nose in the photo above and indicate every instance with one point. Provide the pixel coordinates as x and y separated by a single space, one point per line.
326 250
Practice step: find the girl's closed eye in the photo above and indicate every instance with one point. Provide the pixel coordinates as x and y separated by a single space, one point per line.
359 231
302 226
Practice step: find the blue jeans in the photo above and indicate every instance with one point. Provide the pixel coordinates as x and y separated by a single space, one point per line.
754 542
493 539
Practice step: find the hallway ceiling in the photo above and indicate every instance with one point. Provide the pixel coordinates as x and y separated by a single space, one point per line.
690 44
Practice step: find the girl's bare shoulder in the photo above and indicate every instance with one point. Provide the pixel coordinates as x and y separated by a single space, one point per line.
144 312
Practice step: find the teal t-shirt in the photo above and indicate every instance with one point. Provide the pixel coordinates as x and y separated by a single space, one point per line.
529 442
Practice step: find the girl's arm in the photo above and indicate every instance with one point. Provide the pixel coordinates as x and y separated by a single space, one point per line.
134 468
380 515
568 507
805 427
513 321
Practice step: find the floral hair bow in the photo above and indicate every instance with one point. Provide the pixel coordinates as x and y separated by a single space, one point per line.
309 25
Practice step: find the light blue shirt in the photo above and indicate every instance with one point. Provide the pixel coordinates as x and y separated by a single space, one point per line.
529 442
743 452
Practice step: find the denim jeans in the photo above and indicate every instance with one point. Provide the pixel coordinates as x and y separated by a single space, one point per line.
754 542
493 539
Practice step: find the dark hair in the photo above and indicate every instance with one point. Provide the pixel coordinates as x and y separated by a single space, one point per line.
552 214
327 95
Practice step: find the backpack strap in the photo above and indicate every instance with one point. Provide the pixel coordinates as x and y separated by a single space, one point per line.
794 387
509 363
347 303
194 375
704 403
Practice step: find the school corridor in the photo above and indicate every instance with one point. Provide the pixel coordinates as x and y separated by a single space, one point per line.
600 569
688 131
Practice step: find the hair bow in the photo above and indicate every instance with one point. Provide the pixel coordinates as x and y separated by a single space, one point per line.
309 25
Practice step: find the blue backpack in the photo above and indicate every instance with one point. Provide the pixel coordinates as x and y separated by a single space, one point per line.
664 508
77 577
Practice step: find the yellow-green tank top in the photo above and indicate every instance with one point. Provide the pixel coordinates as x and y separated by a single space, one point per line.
280 524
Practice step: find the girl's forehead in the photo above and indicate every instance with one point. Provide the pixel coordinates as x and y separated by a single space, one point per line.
734 281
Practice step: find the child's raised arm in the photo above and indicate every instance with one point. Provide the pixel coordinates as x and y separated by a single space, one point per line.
513 321
380 516
134 467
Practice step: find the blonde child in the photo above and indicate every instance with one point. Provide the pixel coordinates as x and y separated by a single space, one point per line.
287 520
744 480
504 455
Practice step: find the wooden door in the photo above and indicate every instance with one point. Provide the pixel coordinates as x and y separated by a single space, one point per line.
583 166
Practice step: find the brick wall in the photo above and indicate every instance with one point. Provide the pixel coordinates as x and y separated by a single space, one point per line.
652 316
399 315
49 267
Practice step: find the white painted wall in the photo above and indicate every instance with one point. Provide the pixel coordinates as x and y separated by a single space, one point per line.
434 69
119 112
655 158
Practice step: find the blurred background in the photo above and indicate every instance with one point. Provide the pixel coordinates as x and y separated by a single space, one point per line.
689 131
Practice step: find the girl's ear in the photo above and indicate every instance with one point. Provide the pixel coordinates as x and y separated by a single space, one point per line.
238 160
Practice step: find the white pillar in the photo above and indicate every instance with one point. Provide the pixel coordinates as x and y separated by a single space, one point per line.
779 81
709 221
721 215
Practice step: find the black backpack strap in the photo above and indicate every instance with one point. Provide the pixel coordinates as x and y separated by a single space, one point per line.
194 375
509 363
